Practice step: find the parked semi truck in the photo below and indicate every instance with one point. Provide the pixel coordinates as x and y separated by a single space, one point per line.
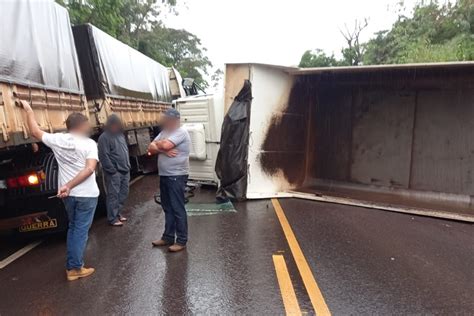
59 70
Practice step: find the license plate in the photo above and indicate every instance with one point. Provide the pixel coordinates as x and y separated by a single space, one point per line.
3 184
48 224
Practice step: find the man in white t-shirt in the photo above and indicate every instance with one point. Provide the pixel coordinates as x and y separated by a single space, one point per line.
77 158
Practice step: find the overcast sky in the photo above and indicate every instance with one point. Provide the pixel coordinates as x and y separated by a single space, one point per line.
277 31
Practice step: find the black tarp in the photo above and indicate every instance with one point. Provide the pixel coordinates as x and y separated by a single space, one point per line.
37 46
110 67
231 163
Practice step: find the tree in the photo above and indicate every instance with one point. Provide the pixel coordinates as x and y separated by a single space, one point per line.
138 24
317 58
122 19
434 33
217 77
354 52
177 48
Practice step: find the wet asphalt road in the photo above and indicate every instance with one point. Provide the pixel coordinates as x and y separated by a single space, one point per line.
376 262
365 262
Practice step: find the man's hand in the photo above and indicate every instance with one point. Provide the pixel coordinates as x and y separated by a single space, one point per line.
85 173
152 149
171 153
162 146
63 192
26 106
31 121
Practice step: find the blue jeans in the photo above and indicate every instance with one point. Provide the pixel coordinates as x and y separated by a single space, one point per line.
172 200
80 212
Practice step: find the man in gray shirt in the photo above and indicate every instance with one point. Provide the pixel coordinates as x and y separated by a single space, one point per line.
173 145
115 161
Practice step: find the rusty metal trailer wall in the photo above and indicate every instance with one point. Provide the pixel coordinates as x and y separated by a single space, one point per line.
400 129
284 147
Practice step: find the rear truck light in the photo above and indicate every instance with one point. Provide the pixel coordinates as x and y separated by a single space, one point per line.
33 179
12 183
27 180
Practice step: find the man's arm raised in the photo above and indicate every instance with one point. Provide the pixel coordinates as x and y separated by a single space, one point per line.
31 121
38 133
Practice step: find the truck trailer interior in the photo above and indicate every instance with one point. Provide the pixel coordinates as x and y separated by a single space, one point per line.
392 136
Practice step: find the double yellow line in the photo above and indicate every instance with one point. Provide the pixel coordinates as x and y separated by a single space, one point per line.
289 298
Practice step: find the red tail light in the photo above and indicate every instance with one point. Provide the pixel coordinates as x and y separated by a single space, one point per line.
27 180
12 183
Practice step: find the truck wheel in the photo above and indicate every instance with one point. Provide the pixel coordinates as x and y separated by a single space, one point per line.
51 169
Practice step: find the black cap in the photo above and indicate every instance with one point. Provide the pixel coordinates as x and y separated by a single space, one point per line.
172 113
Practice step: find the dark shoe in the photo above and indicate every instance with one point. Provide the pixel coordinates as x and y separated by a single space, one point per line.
160 243
176 248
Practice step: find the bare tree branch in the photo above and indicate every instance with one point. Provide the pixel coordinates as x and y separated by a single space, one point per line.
354 51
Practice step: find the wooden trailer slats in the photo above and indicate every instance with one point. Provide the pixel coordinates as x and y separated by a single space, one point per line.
51 109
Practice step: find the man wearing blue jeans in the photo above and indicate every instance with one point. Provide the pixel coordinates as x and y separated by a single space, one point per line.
172 146
77 158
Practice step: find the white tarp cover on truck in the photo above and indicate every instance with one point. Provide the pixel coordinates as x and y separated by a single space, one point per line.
37 46
110 67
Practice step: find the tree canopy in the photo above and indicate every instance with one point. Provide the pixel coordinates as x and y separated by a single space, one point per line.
317 58
435 32
179 48
138 24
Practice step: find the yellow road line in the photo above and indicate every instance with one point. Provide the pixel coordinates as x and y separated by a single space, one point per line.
286 287
314 293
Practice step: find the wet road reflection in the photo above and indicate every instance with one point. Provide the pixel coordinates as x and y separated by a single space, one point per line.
228 268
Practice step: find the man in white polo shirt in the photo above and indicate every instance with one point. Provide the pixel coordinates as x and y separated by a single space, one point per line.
77 158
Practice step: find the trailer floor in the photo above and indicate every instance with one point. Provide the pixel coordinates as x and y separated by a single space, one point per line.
439 209
365 262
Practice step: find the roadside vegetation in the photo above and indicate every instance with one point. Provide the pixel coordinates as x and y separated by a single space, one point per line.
434 32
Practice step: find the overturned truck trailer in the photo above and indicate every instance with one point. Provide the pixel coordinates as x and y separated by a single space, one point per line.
394 137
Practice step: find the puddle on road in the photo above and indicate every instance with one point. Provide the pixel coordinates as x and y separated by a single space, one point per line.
199 209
